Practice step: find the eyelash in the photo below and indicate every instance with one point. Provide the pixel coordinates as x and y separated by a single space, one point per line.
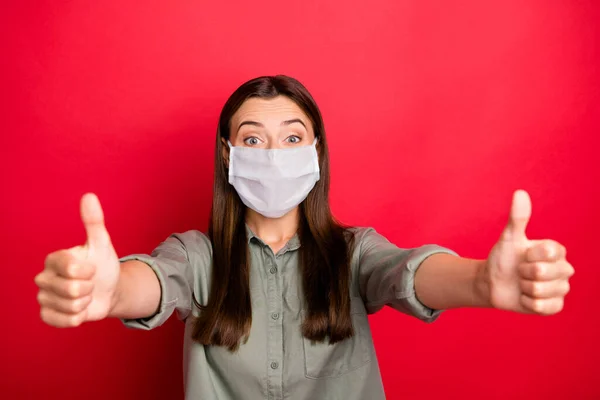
246 141
251 137
294 136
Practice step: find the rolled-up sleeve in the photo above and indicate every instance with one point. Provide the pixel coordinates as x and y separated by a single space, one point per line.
171 264
387 275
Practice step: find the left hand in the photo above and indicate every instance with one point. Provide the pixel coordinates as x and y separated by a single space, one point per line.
522 275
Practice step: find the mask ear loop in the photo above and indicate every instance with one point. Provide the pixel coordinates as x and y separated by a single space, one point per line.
316 153
230 162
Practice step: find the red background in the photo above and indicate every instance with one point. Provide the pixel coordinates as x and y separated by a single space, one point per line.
436 111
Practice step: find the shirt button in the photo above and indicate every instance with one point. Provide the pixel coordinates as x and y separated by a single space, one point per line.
274 365
275 316
273 270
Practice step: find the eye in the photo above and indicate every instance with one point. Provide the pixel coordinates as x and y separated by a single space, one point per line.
293 139
251 141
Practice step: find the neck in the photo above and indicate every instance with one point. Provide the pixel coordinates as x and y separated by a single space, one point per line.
273 230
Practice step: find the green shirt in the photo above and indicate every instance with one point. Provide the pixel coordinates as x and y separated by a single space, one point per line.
277 362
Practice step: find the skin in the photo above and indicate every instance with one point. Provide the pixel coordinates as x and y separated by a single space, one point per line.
520 275
87 283
266 124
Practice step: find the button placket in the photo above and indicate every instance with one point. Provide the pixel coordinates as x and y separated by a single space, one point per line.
275 329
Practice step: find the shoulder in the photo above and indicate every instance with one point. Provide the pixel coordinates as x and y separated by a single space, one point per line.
193 241
359 235
363 239
198 250
195 244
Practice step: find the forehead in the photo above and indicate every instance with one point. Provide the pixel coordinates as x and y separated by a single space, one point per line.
279 107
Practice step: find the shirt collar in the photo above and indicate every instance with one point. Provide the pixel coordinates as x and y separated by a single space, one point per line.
291 245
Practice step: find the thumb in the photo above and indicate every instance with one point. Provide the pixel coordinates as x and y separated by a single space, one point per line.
93 221
520 213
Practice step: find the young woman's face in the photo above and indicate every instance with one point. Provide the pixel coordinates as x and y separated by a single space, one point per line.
270 124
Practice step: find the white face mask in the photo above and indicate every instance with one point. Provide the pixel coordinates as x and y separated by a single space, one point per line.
273 181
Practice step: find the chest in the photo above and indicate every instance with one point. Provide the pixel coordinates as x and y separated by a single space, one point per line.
276 359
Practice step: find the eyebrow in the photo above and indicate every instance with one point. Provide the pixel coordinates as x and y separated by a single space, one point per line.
284 123
293 121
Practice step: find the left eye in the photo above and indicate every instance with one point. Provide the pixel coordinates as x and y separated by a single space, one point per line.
251 141
293 139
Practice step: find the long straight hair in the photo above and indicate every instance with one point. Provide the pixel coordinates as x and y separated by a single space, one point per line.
324 255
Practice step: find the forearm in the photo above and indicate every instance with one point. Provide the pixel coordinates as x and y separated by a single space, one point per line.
138 292
445 281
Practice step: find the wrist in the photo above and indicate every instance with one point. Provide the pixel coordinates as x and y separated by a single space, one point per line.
115 298
481 286
114 301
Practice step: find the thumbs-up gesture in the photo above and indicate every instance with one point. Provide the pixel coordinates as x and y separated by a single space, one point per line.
79 284
527 276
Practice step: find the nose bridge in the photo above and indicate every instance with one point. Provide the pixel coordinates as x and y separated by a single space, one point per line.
272 133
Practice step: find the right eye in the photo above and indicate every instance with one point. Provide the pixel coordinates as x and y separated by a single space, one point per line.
251 141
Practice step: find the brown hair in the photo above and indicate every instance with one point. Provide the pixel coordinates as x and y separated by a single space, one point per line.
324 253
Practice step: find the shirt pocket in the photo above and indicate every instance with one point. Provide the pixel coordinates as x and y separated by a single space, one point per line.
323 360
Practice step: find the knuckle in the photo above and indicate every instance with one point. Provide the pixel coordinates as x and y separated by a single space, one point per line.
537 289
41 279
567 287
63 267
77 305
54 259
539 270
550 306
40 297
60 261
556 306
73 289
48 260
78 319
73 321
538 306
70 306
44 315
550 249
38 279
560 305
71 268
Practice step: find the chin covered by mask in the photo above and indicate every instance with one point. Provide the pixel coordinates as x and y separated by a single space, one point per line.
272 182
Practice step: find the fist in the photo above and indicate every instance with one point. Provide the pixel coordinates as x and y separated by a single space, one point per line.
523 275
79 284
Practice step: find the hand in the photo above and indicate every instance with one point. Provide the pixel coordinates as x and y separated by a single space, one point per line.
522 275
79 284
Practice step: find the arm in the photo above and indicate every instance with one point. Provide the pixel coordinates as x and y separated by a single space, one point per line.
89 282
521 275
386 274
138 292
152 287
445 281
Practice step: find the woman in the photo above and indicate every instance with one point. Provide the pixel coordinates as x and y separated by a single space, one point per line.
275 298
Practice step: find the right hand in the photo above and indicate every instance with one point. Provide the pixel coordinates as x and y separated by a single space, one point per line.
79 284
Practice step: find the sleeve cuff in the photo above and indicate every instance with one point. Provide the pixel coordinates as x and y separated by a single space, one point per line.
166 306
408 301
